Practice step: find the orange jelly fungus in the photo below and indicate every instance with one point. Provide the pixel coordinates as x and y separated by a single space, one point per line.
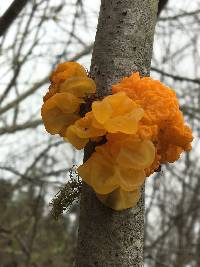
82 130
163 122
70 77
140 123
69 86
117 113
59 111
120 199
134 149
118 168
107 116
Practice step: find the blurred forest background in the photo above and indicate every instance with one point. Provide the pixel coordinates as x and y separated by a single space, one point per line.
34 165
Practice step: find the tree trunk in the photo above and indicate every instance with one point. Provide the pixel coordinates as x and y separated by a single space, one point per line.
123 44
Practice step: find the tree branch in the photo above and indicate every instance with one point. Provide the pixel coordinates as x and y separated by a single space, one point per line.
176 77
181 15
11 14
20 127
161 5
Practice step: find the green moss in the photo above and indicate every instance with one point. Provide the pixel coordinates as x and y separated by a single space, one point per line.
66 196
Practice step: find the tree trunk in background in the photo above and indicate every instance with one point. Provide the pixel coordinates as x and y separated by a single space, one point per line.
123 44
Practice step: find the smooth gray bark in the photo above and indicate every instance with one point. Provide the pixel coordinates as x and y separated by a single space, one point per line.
123 44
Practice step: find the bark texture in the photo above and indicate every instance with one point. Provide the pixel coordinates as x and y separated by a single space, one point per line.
123 44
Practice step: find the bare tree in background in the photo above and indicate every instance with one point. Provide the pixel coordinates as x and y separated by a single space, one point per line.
33 165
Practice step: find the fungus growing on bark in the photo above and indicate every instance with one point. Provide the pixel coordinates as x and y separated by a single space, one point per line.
140 123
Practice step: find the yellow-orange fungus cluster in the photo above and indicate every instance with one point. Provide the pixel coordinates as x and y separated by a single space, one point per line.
140 125
163 122
69 86
107 116
116 170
